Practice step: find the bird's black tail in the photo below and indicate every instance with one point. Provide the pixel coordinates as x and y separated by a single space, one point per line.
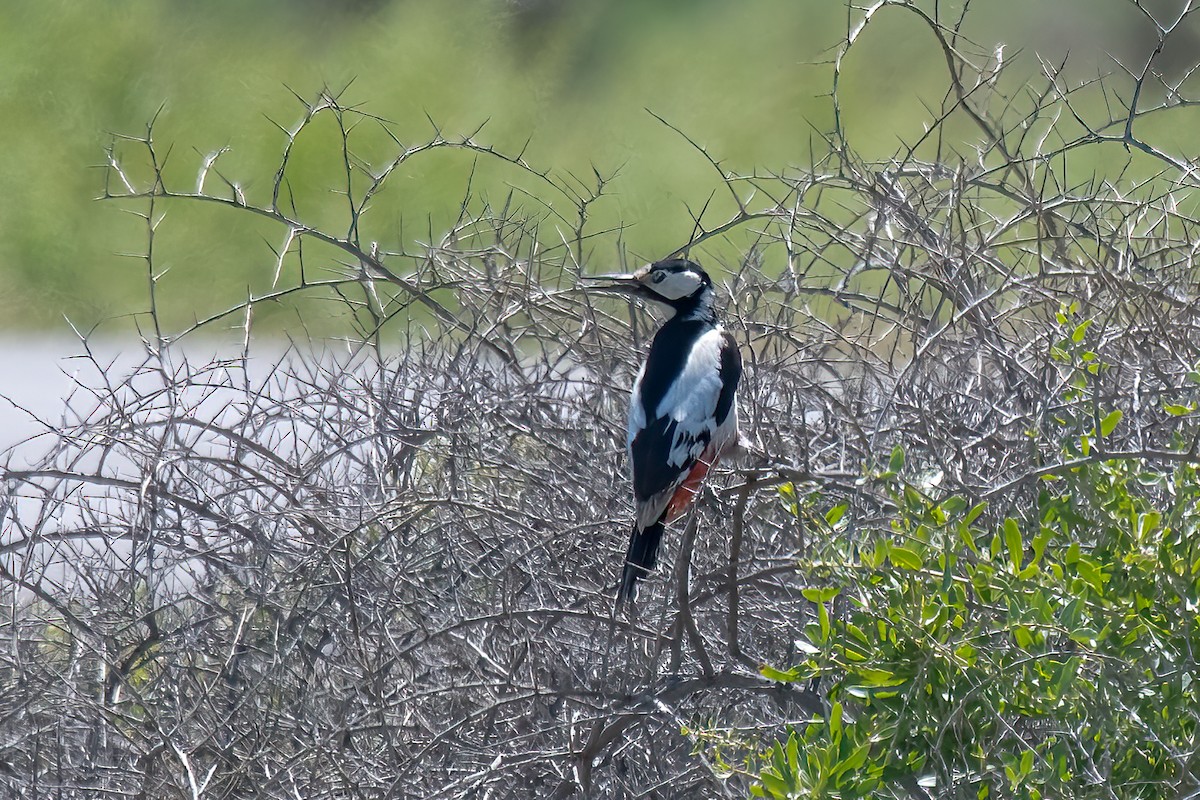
639 559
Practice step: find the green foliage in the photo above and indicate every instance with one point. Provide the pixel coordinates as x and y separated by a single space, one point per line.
825 758
1046 652
1047 656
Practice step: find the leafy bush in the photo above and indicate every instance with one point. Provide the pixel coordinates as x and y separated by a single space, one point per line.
1047 656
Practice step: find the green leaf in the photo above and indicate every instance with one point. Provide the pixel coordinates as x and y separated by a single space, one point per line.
835 722
1085 636
1071 614
1023 636
856 632
1080 329
1040 541
872 558
1176 410
905 558
1012 541
854 761
772 674
793 753
878 677
953 505
896 463
1091 573
1065 676
968 538
947 574
912 498
779 759
776 786
820 595
1109 423
835 514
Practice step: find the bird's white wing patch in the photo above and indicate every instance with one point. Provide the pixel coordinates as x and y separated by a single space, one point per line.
692 400
693 395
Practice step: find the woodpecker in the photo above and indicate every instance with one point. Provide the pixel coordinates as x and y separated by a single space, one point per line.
683 407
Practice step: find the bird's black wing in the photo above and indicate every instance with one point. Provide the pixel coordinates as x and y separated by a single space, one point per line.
662 454
730 370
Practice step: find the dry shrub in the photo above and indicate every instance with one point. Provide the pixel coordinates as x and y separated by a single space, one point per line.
388 571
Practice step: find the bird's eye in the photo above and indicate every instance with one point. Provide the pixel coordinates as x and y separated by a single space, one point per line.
658 277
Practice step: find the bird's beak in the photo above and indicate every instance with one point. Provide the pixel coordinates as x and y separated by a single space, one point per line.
622 283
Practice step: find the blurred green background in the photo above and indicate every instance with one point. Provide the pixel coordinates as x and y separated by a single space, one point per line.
749 80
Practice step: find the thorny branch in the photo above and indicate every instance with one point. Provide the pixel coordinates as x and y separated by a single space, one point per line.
389 573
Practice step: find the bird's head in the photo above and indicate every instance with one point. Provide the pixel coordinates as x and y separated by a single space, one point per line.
676 282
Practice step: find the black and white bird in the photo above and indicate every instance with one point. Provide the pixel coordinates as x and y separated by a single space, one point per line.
683 408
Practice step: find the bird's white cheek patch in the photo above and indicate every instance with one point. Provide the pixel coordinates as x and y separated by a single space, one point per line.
677 285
